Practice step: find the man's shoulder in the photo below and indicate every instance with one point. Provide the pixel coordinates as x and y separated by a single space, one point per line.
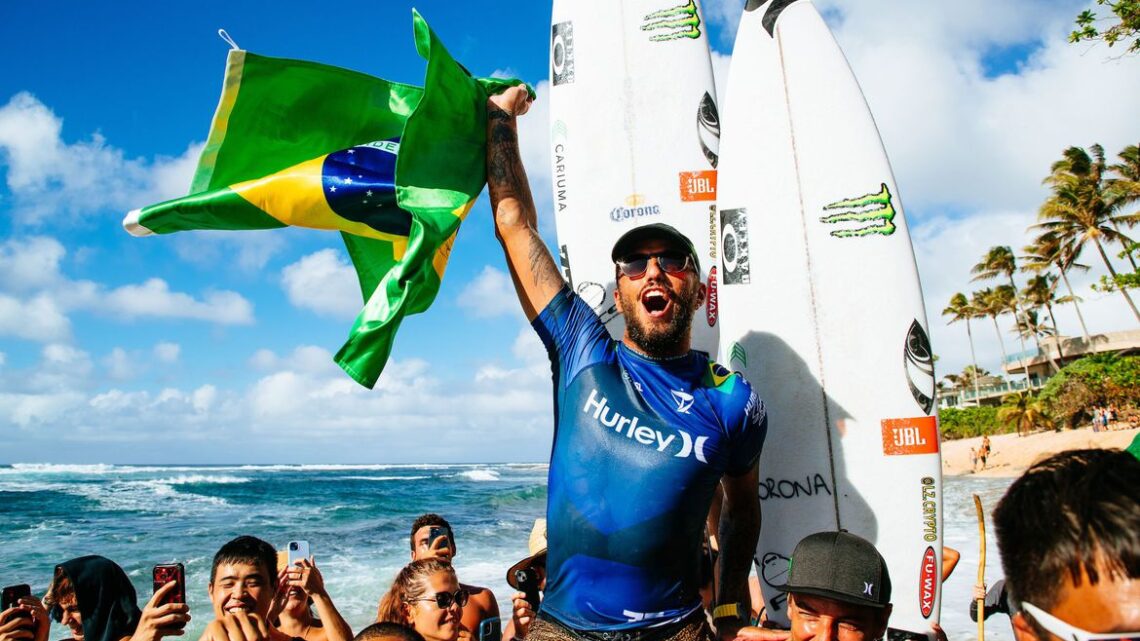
479 594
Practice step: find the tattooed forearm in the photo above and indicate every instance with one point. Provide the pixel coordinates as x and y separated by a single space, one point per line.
542 267
506 177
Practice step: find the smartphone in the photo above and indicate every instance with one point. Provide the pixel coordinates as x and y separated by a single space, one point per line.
527 580
298 550
490 629
436 533
11 598
171 573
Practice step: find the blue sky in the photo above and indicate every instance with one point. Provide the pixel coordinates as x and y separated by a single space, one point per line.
215 348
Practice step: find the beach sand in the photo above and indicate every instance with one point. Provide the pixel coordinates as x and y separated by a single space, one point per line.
1011 455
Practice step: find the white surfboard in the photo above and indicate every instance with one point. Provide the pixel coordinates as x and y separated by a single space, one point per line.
821 309
634 134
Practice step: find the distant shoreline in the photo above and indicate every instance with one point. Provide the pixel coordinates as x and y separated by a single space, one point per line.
1011 455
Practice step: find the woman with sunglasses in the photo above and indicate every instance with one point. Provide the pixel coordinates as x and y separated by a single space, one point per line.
426 597
94 599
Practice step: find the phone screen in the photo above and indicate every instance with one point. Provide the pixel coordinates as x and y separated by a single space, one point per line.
171 573
437 533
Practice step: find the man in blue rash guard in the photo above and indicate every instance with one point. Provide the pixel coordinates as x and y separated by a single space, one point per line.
645 428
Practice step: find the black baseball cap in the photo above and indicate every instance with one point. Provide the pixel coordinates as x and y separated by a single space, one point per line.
657 231
839 566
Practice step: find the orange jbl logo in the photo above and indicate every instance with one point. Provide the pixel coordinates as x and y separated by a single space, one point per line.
910 435
698 185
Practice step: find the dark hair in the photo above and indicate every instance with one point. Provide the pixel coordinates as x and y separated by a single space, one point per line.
1075 512
388 630
411 583
250 550
425 520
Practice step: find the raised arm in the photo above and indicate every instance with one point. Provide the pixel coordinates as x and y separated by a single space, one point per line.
532 268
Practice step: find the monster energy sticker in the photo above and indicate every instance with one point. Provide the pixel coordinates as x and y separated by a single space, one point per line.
734 246
738 354
562 53
708 129
874 209
919 363
677 22
770 14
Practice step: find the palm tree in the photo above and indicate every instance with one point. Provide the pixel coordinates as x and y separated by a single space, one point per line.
1124 190
1078 210
997 262
961 309
1040 291
989 303
1029 324
1047 250
1021 410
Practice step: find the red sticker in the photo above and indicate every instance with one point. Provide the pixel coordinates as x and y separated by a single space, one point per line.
917 435
697 185
711 305
928 582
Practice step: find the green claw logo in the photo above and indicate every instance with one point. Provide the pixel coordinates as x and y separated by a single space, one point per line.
738 354
682 21
875 209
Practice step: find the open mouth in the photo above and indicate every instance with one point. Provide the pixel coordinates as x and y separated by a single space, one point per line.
239 606
656 302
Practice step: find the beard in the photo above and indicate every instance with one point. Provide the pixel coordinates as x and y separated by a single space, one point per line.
662 340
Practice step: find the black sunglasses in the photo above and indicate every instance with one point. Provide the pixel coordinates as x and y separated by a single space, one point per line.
634 266
445 599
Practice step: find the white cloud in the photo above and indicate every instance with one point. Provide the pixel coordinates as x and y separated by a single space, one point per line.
491 294
50 178
30 264
35 319
30 268
167 352
120 366
153 299
323 282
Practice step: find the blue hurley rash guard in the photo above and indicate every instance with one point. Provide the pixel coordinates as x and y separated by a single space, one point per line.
639 446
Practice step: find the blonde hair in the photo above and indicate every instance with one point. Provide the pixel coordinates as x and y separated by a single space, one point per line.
411 583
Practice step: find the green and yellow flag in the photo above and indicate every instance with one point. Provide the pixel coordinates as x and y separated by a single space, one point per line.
394 168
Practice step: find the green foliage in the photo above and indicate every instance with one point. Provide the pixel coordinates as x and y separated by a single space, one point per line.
967 422
1128 27
1128 280
1023 412
1093 381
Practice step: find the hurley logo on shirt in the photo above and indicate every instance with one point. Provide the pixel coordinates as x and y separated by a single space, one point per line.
599 407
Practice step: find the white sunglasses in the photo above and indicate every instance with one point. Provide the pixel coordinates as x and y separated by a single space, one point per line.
1058 627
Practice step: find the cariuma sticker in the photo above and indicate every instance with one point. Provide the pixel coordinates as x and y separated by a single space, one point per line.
870 213
677 22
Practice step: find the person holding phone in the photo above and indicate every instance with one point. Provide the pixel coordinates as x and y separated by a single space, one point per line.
22 616
245 592
427 596
433 538
304 587
94 599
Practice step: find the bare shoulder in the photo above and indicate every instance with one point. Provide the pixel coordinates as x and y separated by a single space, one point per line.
483 598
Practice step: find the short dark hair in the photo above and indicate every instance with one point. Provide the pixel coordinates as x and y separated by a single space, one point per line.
388 630
1077 512
425 520
250 550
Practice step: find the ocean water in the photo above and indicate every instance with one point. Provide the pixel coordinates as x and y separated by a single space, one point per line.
355 517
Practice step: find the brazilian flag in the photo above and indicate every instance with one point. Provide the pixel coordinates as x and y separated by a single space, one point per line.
393 167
